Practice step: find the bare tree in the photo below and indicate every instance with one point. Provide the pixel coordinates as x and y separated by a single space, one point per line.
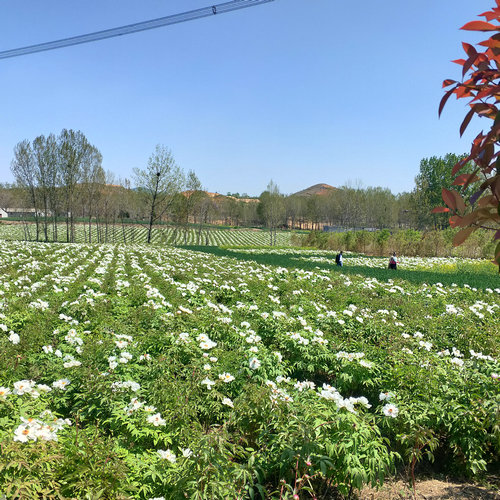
74 150
272 209
23 169
46 172
92 183
159 183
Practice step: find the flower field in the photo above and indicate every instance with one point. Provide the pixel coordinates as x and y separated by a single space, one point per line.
133 371
164 235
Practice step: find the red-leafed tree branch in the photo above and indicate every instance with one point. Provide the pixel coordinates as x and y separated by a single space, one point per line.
481 85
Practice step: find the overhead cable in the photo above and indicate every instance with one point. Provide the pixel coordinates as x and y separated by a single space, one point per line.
134 28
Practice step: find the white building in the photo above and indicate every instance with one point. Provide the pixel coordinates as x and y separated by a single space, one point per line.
21 212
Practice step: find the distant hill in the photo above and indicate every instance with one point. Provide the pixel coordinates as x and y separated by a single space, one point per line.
317 189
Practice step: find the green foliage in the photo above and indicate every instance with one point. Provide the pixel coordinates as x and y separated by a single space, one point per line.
405 242
254 373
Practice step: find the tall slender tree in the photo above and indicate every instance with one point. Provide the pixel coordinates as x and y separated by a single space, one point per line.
272 209
74 150
23 169
158 183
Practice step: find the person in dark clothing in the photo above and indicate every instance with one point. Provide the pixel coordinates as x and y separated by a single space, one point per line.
393 261
339 260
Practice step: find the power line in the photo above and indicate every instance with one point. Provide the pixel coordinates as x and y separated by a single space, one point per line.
134 28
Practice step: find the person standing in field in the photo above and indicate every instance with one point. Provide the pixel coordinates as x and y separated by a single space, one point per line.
393 261
339 260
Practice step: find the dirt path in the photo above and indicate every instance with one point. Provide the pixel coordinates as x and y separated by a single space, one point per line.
430 489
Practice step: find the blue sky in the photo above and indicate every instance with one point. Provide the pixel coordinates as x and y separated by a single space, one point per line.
298 91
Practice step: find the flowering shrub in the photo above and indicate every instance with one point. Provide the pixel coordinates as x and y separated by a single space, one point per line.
150 372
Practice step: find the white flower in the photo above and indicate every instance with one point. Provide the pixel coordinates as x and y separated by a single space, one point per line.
390 410
361 400
24 432
227 402
47 349
184 336
4 392
156 420
226 377
207 344
366 364
254 363
23 386
426 345
14 338
385 395
167 455
457 361
301 386
61 384
125 357
209 383
71 363
186 453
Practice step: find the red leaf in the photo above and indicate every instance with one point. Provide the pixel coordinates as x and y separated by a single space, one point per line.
462 179
447 83
443 101
460 165
439 210
487 200
455 221
462 91
468 64
459 61
472 178
459 201
449 198
479 26
462 235
465 123
488 15
469 49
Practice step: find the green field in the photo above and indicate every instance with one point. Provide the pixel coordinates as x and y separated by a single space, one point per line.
161 235
134 371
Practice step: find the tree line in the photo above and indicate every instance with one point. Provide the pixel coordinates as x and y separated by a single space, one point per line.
61 179
353 207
